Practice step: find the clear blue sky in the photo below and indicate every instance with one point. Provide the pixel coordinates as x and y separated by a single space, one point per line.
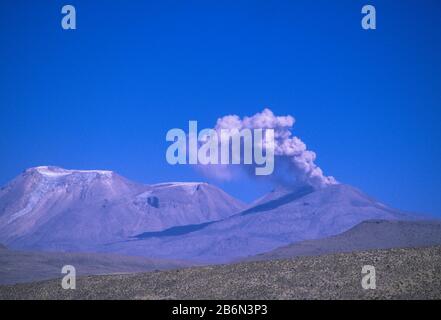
104 96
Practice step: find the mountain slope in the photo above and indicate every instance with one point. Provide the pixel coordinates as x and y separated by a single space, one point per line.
288 217
58 209
371 234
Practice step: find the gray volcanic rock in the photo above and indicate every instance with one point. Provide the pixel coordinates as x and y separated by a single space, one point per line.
401 274
57 209
371 234
277 220
26 266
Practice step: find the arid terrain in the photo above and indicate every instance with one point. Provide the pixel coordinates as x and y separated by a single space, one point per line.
27 266
400 274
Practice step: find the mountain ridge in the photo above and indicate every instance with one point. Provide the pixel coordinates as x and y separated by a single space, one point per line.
100 211
292 217
58 209
367 235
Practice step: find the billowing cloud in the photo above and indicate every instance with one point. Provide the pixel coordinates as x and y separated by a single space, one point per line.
294 163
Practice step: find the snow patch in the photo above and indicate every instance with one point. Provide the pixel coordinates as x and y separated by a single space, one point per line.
188 187
54 172
178 184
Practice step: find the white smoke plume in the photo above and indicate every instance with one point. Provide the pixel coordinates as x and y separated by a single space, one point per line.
294 164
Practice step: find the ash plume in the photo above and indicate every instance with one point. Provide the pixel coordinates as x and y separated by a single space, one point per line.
294 163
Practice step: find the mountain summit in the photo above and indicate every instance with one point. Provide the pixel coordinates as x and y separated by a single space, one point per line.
54 208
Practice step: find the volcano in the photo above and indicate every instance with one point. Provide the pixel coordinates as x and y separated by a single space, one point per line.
51 208
280 218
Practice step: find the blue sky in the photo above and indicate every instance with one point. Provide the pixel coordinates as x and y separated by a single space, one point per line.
104 96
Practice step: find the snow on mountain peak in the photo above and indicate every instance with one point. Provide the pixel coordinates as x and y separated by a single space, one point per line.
189 187
178 184
56 172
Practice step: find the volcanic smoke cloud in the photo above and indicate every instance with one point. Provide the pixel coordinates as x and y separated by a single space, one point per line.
294 164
